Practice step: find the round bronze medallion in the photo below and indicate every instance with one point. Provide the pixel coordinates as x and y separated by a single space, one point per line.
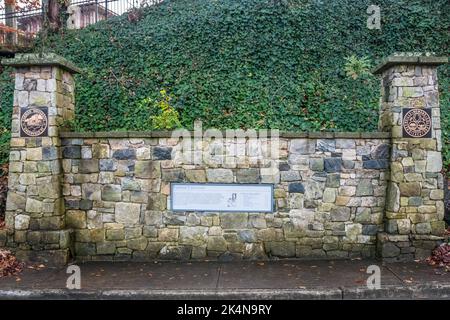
417 123
33 122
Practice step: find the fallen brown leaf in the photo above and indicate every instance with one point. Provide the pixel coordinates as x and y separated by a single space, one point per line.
9 264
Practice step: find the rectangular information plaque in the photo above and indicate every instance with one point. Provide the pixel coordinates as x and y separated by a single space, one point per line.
218 197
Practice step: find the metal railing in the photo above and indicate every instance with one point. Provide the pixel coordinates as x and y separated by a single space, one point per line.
84 12
11 38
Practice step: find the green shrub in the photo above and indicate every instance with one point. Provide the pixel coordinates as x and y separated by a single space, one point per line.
167 117
357 67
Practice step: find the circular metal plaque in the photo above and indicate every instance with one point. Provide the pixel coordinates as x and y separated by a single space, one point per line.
417 123
33 122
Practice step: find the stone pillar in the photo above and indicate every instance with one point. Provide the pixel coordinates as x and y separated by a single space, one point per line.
43 100
409 109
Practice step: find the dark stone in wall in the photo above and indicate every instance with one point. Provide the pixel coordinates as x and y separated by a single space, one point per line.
381 152
49 153
30 84
284 167
375 164
336 154
369 229
333 164
86 204
72 152
173 175
162 153
124 154
296 188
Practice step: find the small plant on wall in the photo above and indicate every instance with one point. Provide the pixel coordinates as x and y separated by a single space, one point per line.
357 67
166 117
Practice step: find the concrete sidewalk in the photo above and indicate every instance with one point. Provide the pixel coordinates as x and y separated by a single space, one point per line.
283 279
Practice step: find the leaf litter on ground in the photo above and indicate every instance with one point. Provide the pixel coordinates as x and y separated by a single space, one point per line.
9 265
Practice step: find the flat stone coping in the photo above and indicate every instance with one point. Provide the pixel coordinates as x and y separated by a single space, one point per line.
415 59
282 134
45 59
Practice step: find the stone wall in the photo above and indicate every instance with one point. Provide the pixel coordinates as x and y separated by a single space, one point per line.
337 195
329 199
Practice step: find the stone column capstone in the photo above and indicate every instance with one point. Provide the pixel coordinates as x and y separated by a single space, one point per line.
43 100
409 109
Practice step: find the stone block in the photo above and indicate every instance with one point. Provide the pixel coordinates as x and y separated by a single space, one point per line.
168 235
332 180
174 175
130 184
423 228
111 193
34 154
316 164
302 146
153 218
107 165
195 236
284 249
15 201
156 202
76 219
91 191
106 247
100 151
138 243
270 234
220 175
216 243
33 206
296 188
234 220
333 164
434 161
88 166
195 175
365 188
290 175
340 214
326 145
329 195
21 222
85 249
251 175
345 144
115 234
127 213
162 153
124 154
376 164
246 235
389 250
72 152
